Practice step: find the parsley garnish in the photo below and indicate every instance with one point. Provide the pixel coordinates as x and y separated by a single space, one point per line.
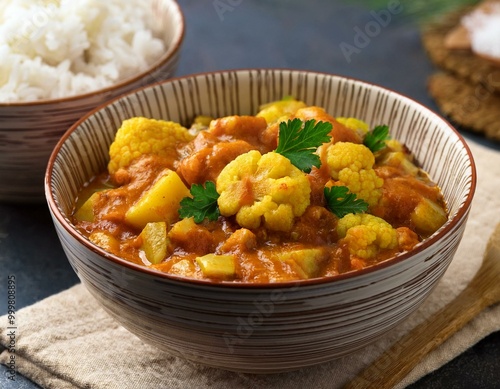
299 143
375 139
341 203
203 204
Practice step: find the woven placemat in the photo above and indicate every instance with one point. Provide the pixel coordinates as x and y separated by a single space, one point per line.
471 106
461 63
467 88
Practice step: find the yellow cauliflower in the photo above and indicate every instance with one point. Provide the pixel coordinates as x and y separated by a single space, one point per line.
263 188
366 234
280 110
139 135
352 165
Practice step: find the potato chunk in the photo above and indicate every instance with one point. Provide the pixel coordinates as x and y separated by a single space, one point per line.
86 212
428 217
155 241
217 266
306 262
192 237
106 241
159 203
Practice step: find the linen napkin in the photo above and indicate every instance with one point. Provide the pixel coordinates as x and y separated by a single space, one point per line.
68 342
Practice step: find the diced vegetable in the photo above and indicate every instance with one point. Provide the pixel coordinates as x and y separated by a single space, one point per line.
399 159
306 262
217 266
428 216
154 241
160 203
183 268
191 237
203 120
181 229
280 110
354 124
106 241
86 212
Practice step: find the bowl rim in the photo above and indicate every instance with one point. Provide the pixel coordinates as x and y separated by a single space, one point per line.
318 281
171 51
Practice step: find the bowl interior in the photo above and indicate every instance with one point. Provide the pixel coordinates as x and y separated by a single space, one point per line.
439 149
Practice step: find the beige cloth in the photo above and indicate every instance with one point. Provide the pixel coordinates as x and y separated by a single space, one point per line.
66 341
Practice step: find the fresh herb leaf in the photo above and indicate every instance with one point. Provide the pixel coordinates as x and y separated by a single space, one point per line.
375 139
298 142
341 202
203 204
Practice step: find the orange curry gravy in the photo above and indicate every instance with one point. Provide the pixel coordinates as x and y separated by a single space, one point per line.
202 159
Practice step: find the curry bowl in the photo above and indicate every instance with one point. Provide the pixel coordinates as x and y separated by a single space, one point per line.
262 327
30 128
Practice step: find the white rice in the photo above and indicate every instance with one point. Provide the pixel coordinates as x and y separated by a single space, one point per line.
57 48
484 30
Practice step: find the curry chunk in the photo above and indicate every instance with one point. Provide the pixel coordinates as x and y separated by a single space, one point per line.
241 240
86 211
245 127
184 267
217 266
208 162
160 203
401 160
428 216
306 261
280 110
192 237
154 241
106 241
339 133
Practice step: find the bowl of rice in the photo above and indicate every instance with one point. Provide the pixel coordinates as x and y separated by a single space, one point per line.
61 59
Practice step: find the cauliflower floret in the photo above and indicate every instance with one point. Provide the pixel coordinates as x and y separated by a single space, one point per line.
364 183
366 234
346 155
139 135
263 188
352 165
281 110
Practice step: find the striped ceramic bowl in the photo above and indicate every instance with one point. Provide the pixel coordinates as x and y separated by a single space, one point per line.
262 327
29 131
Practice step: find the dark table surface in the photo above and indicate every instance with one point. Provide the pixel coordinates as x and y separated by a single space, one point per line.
318 35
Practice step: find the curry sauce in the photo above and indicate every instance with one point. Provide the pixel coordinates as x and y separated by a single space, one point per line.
274 221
